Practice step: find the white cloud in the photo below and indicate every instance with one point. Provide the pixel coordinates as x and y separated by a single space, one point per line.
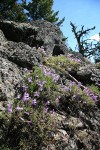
95 37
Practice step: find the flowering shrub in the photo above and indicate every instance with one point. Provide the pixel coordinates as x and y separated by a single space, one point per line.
29 115
63 62
78 95
27 123
95 89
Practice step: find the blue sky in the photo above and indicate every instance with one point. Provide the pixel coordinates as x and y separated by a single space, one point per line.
80 12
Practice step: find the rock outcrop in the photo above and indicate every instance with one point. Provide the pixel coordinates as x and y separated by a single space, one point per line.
35 34
25 45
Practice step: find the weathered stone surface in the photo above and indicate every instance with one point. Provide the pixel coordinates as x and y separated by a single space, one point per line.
79 132
35 34
2 37
10 74
20 53
13 57
89 73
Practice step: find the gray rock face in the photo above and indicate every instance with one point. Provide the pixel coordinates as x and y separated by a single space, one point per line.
2 37
14 56
35 34
89 73
10 74
20 53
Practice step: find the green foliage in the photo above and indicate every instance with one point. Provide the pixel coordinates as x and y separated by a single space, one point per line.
62 62
81 96
95 89
35 10
11 10
47 88
39 9
97 65
42 10
23 135
30 124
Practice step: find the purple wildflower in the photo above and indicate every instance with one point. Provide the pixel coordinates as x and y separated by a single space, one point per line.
48 103
78 60
49 74
89 93
87 90
37 82
10 108
41 66
94 97
19 108
24 88
36 94
44 71
46 109
25 69
25 97
72 83
18 96
29 122
34 102
30 79
55 77
79 84
66 88
40 87
52 111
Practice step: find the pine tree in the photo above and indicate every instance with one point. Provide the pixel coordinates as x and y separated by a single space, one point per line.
42 10
11 10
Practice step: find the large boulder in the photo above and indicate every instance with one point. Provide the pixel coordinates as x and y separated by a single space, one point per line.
89 73
20 53
35 34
